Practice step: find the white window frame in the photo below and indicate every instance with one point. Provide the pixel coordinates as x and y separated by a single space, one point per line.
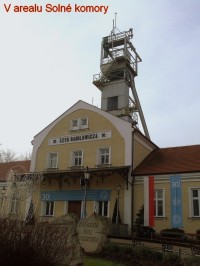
44 208
75 123
49 162
66 204
73 158
79 123
85 125
96 207
73 126
191 199
156 199
100 155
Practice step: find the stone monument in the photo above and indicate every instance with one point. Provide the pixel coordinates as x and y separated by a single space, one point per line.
92 232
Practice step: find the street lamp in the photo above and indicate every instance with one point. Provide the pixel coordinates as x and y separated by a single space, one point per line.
118 191
85 182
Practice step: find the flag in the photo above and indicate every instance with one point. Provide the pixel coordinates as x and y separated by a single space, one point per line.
149 201
176 201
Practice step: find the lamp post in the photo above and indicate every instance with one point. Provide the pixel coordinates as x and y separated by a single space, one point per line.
118 191
85 182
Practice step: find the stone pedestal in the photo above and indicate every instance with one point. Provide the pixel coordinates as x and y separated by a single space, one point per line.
92 232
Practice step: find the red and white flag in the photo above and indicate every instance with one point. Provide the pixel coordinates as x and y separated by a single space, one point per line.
149 201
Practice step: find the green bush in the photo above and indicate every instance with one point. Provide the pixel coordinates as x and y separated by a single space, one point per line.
147 254
112 248
173 233
172 230
171 259
156 255
142 252
125 250
191 261
88 261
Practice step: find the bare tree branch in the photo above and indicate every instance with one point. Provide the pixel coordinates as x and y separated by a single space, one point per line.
7 156
10 156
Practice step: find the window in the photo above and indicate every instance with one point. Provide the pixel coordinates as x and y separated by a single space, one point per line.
104 156
77 158
80 123
48 208
75 123
112 103
53 160
101 208
195 202
14 207
84 122
159 203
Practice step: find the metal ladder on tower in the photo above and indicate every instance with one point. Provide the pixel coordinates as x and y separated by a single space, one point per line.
104 77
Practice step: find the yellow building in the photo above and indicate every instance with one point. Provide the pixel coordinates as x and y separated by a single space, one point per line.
175 169
87 155
87 140
97 160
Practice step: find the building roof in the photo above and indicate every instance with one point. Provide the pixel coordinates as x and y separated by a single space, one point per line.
183 159
20 166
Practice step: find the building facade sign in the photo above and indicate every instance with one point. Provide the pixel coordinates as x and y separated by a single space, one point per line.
65 195
91 136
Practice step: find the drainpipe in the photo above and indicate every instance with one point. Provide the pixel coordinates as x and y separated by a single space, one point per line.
132 181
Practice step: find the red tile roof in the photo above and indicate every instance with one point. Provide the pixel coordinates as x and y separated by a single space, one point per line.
183 159
21 166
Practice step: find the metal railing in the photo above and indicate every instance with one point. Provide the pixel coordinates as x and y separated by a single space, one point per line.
164 246
117 53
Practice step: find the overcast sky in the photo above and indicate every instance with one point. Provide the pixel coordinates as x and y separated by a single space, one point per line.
47 62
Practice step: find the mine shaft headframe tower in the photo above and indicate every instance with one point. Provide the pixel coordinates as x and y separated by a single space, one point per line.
119 67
